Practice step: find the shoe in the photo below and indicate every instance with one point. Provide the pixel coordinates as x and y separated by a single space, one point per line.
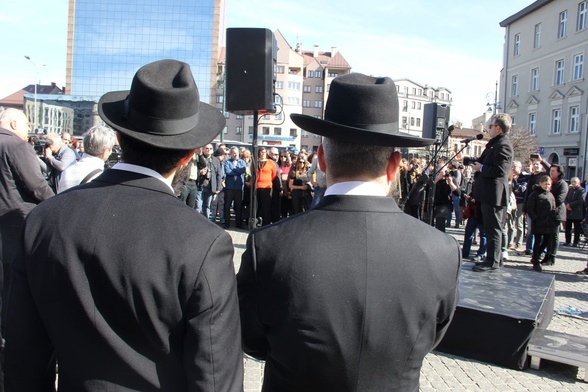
583 272
537 267
505 256
566 244
486 267
528 252
456 226
477 259
574 245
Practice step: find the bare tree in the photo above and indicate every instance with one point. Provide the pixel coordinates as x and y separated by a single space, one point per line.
523 143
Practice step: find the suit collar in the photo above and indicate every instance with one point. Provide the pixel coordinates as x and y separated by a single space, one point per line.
127 178
358 203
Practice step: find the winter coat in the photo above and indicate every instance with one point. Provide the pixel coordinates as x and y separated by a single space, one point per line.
542 211
575 199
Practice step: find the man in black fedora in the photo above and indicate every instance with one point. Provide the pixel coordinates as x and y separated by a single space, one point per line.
380 288
122 284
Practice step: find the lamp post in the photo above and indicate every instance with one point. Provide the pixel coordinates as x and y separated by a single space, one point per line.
35 106
493 107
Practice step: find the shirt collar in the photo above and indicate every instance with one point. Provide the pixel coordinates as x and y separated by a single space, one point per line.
356 188
141 170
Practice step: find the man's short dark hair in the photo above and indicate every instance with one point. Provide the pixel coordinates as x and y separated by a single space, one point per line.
158 159
504 121
349 159
559 170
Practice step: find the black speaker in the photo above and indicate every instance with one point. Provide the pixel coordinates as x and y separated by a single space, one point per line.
250 70
435 118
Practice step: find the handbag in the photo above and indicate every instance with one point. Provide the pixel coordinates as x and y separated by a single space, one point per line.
469 210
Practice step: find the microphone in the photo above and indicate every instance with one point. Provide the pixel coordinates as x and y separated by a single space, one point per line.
479 136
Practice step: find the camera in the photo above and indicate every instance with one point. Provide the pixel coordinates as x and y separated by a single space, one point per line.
534 156
469 161
40 144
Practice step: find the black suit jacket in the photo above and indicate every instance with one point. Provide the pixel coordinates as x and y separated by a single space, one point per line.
128 288
492 181
349 296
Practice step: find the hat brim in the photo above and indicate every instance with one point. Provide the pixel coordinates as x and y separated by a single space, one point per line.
357 135
111 109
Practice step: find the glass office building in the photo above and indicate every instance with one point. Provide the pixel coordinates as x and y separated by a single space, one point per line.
109 40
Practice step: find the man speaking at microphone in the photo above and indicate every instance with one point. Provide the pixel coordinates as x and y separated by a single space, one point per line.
491 187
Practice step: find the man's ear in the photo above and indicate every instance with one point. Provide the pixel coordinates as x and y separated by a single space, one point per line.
184 161
320 154
393 166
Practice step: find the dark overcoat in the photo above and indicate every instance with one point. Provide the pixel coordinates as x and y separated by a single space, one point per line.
357 298
492 181
128 288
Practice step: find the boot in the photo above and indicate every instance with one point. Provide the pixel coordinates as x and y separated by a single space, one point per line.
548 260
536 265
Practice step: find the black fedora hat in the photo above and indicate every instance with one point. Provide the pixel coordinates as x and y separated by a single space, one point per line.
361 109
162 108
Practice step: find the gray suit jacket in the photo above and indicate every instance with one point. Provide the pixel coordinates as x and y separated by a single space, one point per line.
128 288
349 296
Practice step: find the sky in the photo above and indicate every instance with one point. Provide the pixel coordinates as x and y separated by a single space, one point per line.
456 44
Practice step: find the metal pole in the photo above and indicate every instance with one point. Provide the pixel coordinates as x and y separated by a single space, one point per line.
253 223
496 97
35 106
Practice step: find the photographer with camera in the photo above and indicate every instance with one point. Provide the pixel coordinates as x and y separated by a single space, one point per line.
445 189
491 187
417 185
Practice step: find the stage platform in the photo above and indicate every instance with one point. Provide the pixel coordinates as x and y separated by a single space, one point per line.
498 313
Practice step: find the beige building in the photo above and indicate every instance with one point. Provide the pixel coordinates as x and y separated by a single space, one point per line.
412 97
543 82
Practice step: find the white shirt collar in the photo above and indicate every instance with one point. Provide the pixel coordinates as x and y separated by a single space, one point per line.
141 170
357 188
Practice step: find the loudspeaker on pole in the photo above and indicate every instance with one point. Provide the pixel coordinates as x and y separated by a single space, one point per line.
251 63
435 118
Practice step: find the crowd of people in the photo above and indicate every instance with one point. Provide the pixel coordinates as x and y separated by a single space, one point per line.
220 179
539 203
121 277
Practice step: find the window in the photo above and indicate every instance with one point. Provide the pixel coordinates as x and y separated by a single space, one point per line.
225 130
310 74
219 99
304 133
517 45
515 86
294 101
277 131
532 122
293 132
404 121
279 84
574 119
581 16
514 120
405 106
306 89
559 72
563 22
418 122
306 103
294 86
414 91
265 130
239 116
278 116
418 105
318 89
251 130
413 104
412 121
318 104
227 115
535 79
578 67
238 130
333 75
537 36
556 121
317 74
281 69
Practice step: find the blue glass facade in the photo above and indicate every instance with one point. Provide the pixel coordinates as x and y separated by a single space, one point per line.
111 39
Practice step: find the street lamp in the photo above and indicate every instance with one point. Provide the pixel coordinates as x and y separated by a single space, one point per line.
492 107
35 107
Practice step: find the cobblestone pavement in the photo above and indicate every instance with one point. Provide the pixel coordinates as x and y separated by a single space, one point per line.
443 372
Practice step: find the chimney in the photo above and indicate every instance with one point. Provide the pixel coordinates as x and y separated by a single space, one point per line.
334 51
315 54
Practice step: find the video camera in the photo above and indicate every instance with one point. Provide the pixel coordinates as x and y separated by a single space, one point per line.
40 144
